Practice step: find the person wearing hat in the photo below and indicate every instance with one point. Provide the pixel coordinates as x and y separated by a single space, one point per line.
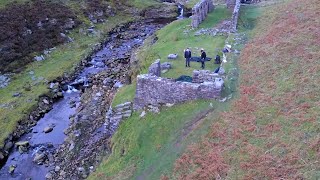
203 58
187 55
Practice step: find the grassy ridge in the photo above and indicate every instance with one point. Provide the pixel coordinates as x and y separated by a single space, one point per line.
272 130
146 148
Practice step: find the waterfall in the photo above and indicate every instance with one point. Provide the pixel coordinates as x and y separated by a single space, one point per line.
180 9
71 89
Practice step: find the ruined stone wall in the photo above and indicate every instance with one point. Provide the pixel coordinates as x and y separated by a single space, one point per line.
230 3
200 76
156 90
200 11
235 16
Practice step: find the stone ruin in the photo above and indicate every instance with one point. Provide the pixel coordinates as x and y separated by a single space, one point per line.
231 3
200 11
155 90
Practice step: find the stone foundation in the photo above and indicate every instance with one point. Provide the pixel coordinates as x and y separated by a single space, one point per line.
157 91
235 16
200 11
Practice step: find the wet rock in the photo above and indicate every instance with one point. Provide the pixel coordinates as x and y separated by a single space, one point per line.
1 156
22 149
47 129
12 168
172 56
48 176
40 157
57 169
22 143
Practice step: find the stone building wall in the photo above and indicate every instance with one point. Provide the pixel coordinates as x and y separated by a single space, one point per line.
200 76
235 15
200 11
230 3
156 90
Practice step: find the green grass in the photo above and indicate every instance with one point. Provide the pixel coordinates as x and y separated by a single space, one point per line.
150 144
174 38
141 4
61 61
147 148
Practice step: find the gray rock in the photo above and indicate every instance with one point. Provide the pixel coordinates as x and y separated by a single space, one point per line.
40 157
22 143
47 129
12 168
1 156
81 169
48 176
39 58
57 169
4 81
155 68
45 101
166 66
17 94
8 146
143 114
172 56
22 149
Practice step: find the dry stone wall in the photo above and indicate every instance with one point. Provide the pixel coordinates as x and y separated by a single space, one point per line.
153 90
200 76
235 16
200 11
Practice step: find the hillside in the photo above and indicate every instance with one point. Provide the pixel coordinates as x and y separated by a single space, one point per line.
272 130
269 131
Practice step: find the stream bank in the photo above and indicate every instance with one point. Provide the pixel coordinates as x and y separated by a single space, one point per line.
86 140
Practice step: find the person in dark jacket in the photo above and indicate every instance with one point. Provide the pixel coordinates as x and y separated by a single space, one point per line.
217 60
203 58
187 55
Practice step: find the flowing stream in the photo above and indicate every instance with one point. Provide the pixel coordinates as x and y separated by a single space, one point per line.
118 46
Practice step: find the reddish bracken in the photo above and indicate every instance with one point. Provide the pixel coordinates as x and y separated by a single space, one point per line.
272 131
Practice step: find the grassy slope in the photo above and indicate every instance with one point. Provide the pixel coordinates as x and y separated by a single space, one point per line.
62 60
145 148
272 130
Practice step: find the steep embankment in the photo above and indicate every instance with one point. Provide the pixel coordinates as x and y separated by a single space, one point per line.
272 130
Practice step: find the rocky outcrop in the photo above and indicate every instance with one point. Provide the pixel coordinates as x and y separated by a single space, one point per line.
200 11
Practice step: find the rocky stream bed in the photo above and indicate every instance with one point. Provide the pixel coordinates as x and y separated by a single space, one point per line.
67 136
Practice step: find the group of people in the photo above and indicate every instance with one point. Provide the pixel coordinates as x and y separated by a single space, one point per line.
203 56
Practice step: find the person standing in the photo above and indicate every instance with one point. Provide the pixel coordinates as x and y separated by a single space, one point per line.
203 58
187 55
217 59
